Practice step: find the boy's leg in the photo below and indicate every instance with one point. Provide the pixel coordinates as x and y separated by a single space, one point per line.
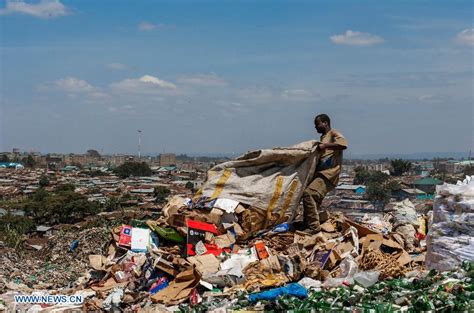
313 196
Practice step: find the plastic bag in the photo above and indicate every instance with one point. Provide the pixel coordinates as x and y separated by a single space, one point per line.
294 289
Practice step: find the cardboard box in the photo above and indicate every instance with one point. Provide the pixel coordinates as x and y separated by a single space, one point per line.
125 236
261 250
196 233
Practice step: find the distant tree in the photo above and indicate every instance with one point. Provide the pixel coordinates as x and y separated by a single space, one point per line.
365 177
361 175
65 187
161 193
189 185
63 206
378 194
4 158
28 161
93 153
399 167
43 181
377 177
112 204
128 169
13 228
393 185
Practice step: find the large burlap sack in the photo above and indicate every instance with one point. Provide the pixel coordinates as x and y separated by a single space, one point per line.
270 180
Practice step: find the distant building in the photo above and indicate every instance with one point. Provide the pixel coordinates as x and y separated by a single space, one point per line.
69 168
427 184
167 159
357 189
14 165
120 159
409 193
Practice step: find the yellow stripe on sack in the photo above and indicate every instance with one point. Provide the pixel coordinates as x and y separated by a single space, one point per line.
221 182
289 196
274 199
211 173
198 194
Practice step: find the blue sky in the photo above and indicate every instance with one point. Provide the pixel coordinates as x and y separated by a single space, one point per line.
231 76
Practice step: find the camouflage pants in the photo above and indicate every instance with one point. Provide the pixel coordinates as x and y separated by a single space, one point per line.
313 196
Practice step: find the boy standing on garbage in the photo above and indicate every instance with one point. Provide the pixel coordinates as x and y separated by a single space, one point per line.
326 175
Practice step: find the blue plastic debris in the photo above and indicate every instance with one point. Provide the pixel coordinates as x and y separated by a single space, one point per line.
281 228
162 283
294 289
73 245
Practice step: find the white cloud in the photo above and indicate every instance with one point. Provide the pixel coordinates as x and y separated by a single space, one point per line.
116 66
145 85
203 80
354 38
73 87
42 9
298 95
156 81
257 93
145 26
466 37
432 98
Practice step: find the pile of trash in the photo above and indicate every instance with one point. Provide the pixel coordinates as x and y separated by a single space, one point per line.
197 256
451 236
216 253
57 265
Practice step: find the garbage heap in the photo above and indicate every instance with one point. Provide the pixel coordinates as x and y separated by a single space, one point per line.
197 256
234 246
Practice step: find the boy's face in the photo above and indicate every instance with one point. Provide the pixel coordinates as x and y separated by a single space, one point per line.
320 126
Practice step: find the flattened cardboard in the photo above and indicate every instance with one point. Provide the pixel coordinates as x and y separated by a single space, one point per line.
404 258
179 289
173 206
370 239
361 230
165 266
238 230
391 244
97 262
205 264
239 209
224 241
342 250
107 285
271 263
215 216
328 227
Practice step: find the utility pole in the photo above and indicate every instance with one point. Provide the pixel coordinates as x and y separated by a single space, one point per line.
139 143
